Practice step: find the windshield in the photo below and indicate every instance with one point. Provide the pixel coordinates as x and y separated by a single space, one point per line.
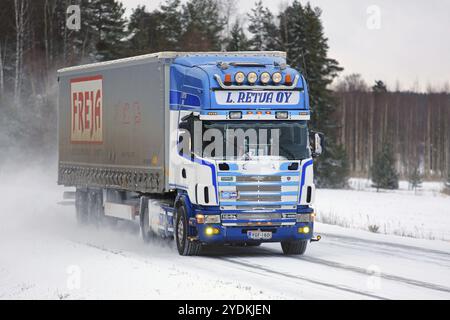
247 140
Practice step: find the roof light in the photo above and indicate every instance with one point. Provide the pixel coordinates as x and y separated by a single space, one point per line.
227 80
277 77
252 77
235 115
239 77
288 79
265 78
281 114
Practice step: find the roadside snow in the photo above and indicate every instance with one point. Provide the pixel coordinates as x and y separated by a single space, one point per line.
421 214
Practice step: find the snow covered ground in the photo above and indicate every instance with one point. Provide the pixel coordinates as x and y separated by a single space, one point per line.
43 254
424 213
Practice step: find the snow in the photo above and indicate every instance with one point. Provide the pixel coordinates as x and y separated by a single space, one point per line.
421 214
45 255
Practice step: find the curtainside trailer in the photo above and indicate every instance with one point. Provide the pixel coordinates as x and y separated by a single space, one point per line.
205 148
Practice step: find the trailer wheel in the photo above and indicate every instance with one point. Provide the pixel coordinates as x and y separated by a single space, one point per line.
81 207
184 245
146 231
294 247
95 208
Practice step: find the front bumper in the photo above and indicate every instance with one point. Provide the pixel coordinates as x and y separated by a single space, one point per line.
233 234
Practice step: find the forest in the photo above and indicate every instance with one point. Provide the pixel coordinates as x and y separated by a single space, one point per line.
357 119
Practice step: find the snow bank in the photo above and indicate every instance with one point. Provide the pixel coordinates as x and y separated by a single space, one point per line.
422 214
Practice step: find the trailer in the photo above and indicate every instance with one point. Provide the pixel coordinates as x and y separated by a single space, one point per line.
206 148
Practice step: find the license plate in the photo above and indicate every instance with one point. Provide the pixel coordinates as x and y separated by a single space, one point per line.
259 235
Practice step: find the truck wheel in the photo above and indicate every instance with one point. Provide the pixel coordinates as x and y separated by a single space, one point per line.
95 208
146 231
294 247
184 245
81 207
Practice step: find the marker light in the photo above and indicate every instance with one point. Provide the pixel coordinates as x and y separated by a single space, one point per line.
235 115
252 77
200 218
281 114
277 77
288 79
265 78
239 77
227 80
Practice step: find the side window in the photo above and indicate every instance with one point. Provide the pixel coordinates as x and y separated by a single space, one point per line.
186 128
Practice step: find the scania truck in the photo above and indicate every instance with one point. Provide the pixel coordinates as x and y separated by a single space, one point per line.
200 147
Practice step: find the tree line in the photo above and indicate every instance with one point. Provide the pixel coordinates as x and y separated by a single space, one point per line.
35 41
414 126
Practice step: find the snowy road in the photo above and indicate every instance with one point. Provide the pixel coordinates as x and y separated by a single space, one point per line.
43 254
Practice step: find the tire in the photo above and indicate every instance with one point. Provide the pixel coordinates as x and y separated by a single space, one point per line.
96 211
184 245
296 247
81 207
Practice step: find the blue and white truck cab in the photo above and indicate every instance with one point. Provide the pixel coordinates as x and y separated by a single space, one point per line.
244 169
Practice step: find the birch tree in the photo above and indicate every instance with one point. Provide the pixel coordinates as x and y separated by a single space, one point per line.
20 10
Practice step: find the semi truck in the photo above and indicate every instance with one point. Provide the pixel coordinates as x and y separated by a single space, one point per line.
206 148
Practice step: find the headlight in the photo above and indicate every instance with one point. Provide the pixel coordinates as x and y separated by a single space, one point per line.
252 77
265 78
214 218
239 77
304 217
277 77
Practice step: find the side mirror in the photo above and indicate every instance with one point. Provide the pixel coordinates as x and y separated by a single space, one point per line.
316 140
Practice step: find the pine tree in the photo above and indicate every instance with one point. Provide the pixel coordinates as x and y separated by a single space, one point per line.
102 32
379 86
238 41
171 25
334 168
383 171
447 183
202 26
303 38
262 26
415 178
145 36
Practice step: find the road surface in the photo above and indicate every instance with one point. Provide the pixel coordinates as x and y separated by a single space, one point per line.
44 254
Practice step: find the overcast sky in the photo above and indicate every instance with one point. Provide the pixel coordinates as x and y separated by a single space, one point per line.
409 43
